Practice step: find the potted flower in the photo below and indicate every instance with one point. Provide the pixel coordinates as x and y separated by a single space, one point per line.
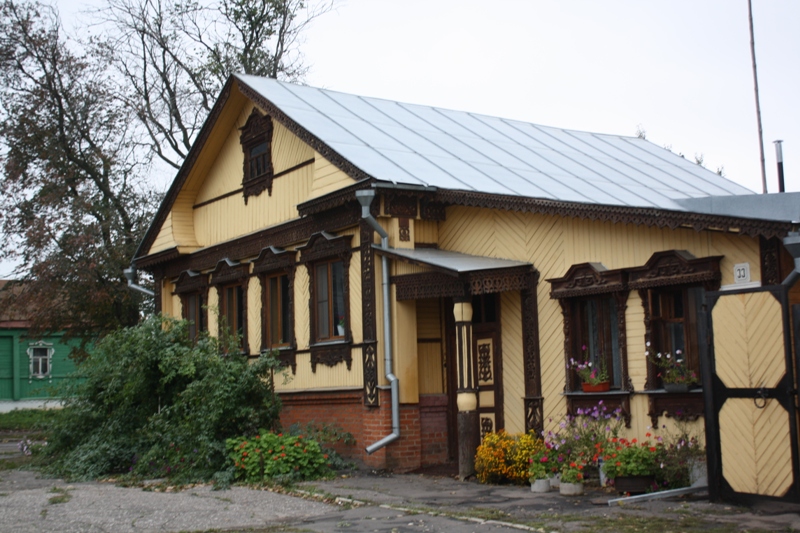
673 371
539 471
632 465
340 325
594 378
572 479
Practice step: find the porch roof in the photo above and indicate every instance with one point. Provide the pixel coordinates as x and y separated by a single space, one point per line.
453 263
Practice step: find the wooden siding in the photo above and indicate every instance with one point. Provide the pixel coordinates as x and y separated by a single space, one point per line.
327 177
756 447
325 378
430 349
254 315
748 340
513 370
426 231
552 244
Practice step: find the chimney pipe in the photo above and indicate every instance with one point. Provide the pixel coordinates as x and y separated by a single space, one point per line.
779 158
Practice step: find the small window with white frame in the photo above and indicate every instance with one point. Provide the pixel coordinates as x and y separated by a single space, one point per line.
40 360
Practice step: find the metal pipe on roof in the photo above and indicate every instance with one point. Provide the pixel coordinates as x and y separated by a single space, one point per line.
365 197
779 158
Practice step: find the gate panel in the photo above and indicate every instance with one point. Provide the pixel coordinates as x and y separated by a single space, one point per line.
748 382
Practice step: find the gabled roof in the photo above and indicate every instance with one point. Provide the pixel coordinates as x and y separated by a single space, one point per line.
421 145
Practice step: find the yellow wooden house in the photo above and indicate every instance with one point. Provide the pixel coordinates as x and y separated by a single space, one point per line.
426 275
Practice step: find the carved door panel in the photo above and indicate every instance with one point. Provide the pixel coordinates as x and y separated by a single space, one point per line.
486 352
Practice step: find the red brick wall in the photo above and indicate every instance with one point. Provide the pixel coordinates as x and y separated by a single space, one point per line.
423 433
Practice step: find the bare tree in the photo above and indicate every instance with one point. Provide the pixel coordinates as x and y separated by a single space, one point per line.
175 56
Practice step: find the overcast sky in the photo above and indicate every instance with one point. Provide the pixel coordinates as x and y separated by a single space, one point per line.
678 69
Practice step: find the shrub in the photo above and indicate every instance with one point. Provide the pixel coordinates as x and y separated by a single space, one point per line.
277 457
581 438
154 403
329 437
506 458
631 458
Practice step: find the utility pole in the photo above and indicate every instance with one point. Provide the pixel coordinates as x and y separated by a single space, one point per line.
758 105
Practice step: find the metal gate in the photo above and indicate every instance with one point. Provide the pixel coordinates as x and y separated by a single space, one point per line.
749 378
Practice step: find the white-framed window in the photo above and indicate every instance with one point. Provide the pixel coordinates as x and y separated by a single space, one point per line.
40 360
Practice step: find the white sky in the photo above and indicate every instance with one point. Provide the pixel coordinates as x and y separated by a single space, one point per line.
679 68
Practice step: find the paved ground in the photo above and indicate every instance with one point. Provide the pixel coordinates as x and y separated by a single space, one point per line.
364 502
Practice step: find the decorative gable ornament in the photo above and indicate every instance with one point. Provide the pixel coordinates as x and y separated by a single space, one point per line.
256 141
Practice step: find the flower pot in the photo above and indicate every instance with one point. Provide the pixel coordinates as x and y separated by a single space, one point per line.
600 387
677 387
571 489
540 485
634 484
698 473
340 330
555 481
603 477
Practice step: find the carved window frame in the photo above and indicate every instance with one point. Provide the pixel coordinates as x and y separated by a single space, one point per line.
324 248
230 274
673 271
272 262
40 352
583 281
193 285
257 131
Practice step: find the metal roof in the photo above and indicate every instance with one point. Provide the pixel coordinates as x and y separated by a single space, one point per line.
420 145
452 262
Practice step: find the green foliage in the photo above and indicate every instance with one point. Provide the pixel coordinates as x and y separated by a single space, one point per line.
155 404
277 457
572 472
540 465
504 458
631 458
27 419
581 438
329 437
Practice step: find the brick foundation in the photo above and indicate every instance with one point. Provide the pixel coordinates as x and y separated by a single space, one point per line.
423 426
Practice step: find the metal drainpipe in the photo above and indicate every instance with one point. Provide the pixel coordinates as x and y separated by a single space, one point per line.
365 197
792 244
130 274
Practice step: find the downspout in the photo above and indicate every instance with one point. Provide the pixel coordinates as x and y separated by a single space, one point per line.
792 244
130 274
365 197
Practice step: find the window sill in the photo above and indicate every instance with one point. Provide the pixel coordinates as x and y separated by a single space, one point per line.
331 353
580 393
333 342
697 391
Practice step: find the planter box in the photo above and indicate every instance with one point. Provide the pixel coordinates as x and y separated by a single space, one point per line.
677 387
571 489
540 485
600 387
555 481
634 484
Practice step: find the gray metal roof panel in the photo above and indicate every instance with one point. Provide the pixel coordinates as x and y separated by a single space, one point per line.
408 143
452 261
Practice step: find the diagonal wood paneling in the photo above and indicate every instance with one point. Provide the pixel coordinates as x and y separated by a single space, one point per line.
748 340
756 448
513 370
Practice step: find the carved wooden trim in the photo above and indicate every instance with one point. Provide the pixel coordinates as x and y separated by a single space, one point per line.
323 245
611 400
272 259
404 229
688 406
331 355
428 285
257 130
369 318
639 216
191 281
534 414
776 262
674 267
228 271
401 205
530 338
430 210
267 264
587 279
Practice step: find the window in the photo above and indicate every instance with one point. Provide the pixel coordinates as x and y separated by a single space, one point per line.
596 336
329 299
277 315
193 312
40 359
256 140
192 287
231 305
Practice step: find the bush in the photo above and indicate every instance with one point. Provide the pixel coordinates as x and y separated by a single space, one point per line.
504 458
329 437
154 403
279 458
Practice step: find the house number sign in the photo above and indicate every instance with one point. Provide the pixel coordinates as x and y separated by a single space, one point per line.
741 273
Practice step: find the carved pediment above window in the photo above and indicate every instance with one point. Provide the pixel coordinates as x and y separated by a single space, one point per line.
587 279
256 140
323 245
228 271
191 281
674 267
272 259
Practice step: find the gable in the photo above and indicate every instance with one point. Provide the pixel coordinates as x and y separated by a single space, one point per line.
211 208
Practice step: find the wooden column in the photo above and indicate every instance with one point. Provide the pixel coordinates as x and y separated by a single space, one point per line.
467 392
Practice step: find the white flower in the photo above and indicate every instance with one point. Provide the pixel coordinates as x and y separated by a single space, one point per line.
679 361
668 356
647 344
678 352
590 363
